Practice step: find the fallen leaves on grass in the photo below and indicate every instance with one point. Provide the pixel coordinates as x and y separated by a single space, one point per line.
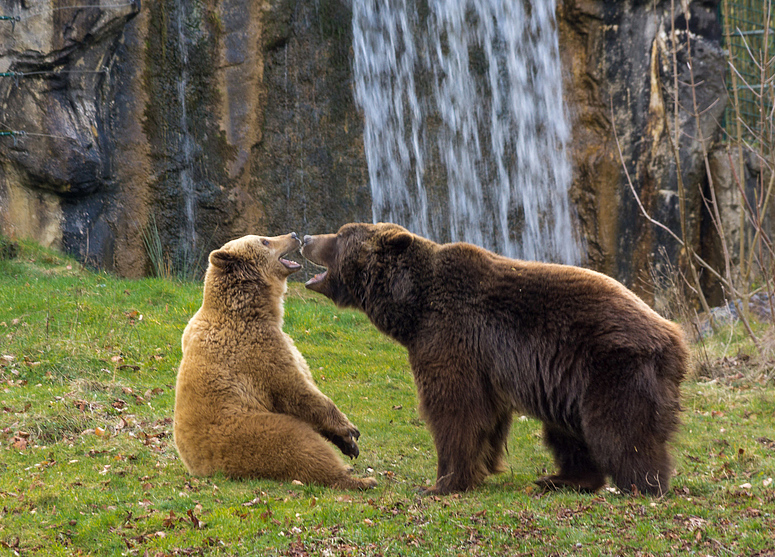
332 545
86 406
9 410
20 440
128 366
173 521
133 316
252 502
14 545
297 549
769 443
170 522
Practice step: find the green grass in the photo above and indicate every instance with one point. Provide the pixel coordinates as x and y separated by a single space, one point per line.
87 464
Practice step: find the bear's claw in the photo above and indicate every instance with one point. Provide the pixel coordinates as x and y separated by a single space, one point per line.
347 444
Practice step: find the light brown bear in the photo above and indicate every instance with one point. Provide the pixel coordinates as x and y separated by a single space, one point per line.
245 401
488 336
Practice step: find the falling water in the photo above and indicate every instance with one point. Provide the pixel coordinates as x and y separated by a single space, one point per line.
188 240
465 128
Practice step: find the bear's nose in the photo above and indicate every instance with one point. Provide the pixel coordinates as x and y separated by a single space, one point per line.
307 239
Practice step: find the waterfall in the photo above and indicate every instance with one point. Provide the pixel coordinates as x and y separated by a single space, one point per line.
465 129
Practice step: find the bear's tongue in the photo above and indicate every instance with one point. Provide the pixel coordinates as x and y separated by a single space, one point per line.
290 264
317 278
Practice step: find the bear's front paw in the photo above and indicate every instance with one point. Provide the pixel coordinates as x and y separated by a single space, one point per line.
347 444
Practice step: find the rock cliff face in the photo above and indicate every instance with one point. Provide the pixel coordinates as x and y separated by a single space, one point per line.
184 122
621 84
57 91
194 122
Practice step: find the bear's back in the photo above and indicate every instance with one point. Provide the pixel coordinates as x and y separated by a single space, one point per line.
546 321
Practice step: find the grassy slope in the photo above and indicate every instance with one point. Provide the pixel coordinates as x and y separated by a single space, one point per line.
87 464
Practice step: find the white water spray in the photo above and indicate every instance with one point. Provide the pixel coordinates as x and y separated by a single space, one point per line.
465 128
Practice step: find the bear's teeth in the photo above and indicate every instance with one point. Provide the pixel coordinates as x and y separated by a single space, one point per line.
317 278
290 264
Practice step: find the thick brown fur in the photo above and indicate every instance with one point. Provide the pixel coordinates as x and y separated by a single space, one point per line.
245 401
488 336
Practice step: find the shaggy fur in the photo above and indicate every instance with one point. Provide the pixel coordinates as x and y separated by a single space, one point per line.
245 401
488 336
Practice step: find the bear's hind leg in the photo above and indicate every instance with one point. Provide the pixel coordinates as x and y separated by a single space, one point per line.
629 415
632 448
572 456
629 432
640 468
281 447
654 478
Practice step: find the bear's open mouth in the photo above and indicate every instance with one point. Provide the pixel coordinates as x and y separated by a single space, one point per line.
320 277
291 265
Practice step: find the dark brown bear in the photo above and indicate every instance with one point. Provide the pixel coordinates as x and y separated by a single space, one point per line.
488 336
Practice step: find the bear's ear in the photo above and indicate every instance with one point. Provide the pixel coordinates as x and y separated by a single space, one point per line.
397 240
221 258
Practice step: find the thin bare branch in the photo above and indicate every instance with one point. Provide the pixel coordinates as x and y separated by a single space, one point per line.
740 76
632 188
748 47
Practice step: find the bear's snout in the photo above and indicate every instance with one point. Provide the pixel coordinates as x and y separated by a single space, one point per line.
307 239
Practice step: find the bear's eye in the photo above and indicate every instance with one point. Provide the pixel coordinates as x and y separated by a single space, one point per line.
265 242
